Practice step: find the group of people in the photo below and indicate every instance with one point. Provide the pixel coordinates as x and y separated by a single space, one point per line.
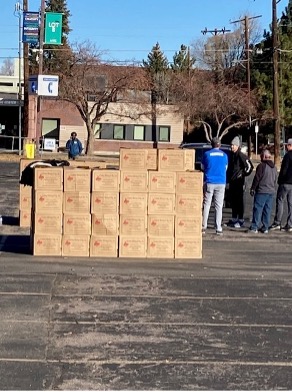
218 171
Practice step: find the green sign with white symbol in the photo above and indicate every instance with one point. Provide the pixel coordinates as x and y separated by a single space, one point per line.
53 28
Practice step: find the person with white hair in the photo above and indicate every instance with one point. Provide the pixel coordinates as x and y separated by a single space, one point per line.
263 189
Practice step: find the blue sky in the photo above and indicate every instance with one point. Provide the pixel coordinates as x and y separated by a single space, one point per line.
128 29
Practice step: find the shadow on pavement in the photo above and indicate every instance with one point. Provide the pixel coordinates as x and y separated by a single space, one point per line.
15 244
10 220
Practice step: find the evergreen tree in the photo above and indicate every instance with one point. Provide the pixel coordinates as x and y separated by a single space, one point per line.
182 60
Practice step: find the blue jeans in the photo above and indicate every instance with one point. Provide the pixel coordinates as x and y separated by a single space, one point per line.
262 210
284 192
218 191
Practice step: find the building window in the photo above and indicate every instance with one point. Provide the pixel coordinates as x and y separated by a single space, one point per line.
119 132
97 131
164 134
139 132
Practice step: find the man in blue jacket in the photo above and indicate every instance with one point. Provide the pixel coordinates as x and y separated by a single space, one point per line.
214 165
73 146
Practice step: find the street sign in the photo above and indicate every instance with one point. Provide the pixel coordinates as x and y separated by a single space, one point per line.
45 85
30 27
53 28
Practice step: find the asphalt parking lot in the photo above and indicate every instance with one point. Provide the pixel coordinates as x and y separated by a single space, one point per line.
220 323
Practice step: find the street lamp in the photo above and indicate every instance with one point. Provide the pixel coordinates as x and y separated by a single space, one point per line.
18 14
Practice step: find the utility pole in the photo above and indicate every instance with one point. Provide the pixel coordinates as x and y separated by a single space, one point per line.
25 79
246 20
216 32
277 130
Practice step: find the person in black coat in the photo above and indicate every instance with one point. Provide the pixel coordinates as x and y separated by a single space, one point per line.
239 167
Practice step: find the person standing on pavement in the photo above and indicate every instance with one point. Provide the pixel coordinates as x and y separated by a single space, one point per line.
263 189
214 165
284 191
239 167
73 146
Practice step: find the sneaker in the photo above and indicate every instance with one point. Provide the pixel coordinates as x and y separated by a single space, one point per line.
219 232
287 228
237 225
203 231
265 231
254 231
241 222
275 226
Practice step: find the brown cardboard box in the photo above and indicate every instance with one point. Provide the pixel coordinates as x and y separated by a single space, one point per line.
161 225
161 182
130 246
88 164
76 223
176 160
151 159
105 180
160 247
133 203
161 203
103 246
105 225
133 159
104 203
133 225
188 225
189 204
48 178
75 245
188 247
134 181
46 244
47 222
76 202
25 197
189 182
44 201
77 179
23 163
25 218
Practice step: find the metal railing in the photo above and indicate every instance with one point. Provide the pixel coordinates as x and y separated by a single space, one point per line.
10 143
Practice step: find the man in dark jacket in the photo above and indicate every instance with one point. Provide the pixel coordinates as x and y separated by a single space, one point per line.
73 146
263 189
284 191
239 167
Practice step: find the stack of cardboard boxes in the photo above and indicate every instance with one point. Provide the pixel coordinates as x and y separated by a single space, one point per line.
150 207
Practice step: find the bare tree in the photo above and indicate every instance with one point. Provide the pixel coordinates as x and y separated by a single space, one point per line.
91 86
7 67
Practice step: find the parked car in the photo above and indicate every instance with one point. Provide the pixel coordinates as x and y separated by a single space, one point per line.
200 149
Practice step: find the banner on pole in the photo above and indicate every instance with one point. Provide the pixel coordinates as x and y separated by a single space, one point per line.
30 28
53 28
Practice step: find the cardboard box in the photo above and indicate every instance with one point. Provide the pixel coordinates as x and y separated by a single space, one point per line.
133 225
189 204
161 225
46 244
188 225
161 203
48 178
104 203
75 245
105 225
151 159
133 159
25 197
87 164
103 246
44 201
134 181
176 160
189 182
105 180
25 218
47 222
76 223
77 179
23 163
188 247
160 247
76 202
133 203
130 246
161 182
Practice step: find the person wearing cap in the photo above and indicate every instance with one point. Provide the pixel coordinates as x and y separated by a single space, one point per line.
74 146
263 189
239 167
284 191
214 165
